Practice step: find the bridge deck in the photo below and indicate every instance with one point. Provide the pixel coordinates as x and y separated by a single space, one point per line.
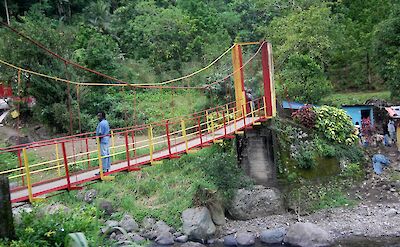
86 176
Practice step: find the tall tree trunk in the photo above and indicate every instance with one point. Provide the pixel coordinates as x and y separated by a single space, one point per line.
7 14
368 70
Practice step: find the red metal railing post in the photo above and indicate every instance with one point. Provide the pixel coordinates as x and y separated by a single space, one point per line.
200 134
128 157
66 165
87 150
168 138
20 166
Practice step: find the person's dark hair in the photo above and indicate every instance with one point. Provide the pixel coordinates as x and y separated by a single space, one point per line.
357 123
103 114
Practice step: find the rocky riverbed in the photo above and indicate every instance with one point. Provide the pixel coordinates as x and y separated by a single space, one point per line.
363 220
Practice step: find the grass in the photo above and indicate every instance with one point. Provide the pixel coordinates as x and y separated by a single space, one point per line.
164 191
351 98
311 196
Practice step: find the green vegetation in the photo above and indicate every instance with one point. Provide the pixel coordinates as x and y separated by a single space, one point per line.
164 191
309 197
160 191
335 125
318 45
353 98
38 228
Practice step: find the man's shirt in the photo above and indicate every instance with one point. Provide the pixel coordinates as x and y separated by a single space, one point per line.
103 129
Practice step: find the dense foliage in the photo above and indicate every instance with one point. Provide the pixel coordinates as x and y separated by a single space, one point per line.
335 125
317 44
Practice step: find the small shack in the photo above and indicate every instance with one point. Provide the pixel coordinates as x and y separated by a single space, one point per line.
358 112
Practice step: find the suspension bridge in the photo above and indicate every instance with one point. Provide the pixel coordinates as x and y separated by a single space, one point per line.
134 147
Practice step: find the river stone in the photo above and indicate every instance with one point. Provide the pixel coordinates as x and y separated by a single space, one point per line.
391 212
53 208
148 223
192 244
136 237
273 236
128 223
182 239
161 226
106 206
217 213
307 235
165 238
111 223
90 195
245 238
230 240
197 223
257 202
148 234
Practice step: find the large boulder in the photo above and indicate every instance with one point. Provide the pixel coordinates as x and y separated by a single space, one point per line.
307 235
273 236
197 223
128 223
257 202
217 212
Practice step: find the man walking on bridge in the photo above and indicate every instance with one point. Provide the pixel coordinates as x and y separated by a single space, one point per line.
103 131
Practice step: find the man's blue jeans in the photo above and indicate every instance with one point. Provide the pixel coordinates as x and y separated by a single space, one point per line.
105 151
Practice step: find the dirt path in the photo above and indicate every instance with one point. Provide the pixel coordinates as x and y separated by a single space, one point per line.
6 132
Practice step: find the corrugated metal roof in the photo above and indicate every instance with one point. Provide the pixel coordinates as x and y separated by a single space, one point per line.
292 105
394 111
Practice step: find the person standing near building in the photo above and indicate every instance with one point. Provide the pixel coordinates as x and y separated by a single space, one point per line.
392 130
103 131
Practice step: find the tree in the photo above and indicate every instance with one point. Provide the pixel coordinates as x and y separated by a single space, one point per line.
387 51
304 79
302 43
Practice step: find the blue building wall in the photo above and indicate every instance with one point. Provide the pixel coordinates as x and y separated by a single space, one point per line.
355 112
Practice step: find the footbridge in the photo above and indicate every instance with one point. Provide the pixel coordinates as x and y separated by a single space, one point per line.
69 162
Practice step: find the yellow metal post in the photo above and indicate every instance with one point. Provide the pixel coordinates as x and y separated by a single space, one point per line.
265 107
207 121
113 143
58 161
28 175
234 124
183 126
102 176
238 77
150 136
227 113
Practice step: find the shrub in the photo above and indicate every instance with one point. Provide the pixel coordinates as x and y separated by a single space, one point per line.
51 230
335 125
305 116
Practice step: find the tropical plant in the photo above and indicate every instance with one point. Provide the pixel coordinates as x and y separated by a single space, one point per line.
335 125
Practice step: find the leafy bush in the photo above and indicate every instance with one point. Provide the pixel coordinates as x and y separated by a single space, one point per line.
335 125
305 116
51 230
